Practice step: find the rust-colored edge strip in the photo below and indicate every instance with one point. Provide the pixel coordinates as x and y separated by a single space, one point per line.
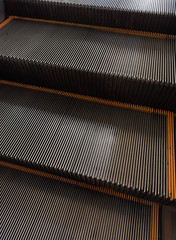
87 98
108 29
74 182
171 157
9 19
154 221
168 156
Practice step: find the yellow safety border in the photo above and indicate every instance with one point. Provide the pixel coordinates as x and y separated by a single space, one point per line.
154 206
154 221
171 156
9 19
108 29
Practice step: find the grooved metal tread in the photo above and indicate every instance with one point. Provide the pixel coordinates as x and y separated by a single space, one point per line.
151 15
98 144
132 69
38 208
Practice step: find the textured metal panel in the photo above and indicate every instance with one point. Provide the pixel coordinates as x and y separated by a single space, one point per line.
133 69
99 144
38 208
149 15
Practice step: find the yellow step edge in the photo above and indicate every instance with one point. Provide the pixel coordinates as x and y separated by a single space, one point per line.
168 157
171 157
154 221
9 19
108 29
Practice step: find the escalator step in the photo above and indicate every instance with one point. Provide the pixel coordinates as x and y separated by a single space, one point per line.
99 144
152 16
133 69
39 208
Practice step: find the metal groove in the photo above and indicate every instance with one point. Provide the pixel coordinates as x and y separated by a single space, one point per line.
90 142
153 16
75 59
